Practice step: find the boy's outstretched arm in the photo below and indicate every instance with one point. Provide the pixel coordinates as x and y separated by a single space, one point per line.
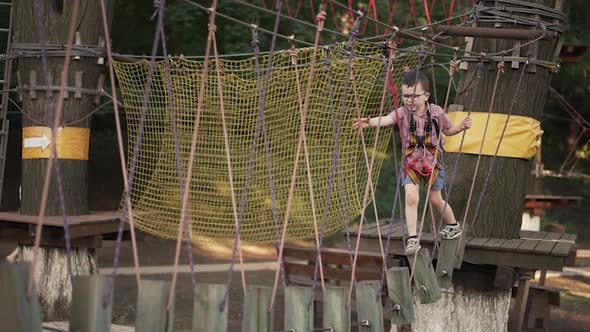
379 121
455 129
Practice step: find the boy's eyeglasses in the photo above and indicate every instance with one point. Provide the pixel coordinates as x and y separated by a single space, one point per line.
413 96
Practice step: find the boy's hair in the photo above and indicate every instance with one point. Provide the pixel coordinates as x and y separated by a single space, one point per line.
414 77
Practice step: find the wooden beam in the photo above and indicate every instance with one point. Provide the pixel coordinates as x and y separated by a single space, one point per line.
256 317
17 313
368 305
499 33
336 313
152 314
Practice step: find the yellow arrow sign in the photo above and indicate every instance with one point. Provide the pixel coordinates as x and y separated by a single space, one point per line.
70 142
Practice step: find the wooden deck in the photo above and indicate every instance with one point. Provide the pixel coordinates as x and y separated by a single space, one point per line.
533 250
84 230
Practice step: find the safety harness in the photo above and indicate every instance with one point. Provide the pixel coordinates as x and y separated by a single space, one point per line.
418 169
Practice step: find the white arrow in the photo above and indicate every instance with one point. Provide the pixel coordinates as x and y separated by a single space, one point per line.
37 142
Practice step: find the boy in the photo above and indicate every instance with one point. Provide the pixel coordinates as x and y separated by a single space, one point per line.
420 126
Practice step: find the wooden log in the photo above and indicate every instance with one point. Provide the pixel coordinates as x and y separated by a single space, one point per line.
207 312
298 309
336 312
17 313
425 278
445 263
256 315
152 314
368 305
400 295
91 309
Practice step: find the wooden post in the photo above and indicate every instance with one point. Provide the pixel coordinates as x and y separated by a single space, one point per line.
17 313
256 317
425 279
298 309
336 312
368 306
445 263
400 295
55 22
207 312
152 315
91 310
520 305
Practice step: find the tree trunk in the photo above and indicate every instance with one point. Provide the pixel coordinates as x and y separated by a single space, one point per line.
80 99
501 209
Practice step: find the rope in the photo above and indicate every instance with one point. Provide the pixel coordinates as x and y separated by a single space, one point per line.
301 139
499 70
369 184
126 182
49 165
171 111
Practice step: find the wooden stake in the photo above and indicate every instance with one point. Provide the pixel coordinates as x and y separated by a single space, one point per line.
207 313
368 306
17 313
298 309
400 295
90 312
152 315
425 279
256 316
336 312
445 263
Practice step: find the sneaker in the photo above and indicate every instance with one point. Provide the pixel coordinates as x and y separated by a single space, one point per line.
412 246
450 232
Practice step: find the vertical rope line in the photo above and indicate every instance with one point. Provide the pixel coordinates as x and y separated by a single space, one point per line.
126 182
49 165
261 105
178 159
499 70
489 172
567 158
193 148
228 158
369 185
320 24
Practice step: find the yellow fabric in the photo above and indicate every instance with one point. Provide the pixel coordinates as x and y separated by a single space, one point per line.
71 143
522 138
155 196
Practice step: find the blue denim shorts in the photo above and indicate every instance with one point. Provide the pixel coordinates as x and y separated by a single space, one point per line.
438 183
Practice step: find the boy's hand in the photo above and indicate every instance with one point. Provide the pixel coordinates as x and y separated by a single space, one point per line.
466 123
360 123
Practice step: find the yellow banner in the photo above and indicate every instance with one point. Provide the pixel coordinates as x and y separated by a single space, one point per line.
522 138
70 142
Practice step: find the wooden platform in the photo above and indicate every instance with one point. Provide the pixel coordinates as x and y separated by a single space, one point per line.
534 250
84 230
549 201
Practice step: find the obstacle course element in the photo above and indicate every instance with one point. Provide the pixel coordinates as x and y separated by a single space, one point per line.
155 196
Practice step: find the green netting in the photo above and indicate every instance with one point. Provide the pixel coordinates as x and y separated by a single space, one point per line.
155 192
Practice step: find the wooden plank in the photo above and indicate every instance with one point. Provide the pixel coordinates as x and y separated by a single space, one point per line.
330 273
400 295
335 256
554 236
95 217
152 314
527 246
256 316
425 278
569 237
368 305
462 246
562 249
494 243
207 312
445 264
514 259
477 242
336 312
511 245
544 247
298 309
17 313
520 305
88 310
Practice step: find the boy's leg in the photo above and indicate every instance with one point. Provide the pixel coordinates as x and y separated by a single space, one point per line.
412 198
439 203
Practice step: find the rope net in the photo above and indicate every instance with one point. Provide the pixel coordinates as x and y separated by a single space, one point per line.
155 193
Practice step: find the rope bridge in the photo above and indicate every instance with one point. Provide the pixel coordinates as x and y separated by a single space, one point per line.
155 193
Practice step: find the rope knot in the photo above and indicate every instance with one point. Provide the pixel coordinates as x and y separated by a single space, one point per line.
157 8
320 17
212 27
501 66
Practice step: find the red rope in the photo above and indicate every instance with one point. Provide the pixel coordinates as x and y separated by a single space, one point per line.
450 12
372 4
426 11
